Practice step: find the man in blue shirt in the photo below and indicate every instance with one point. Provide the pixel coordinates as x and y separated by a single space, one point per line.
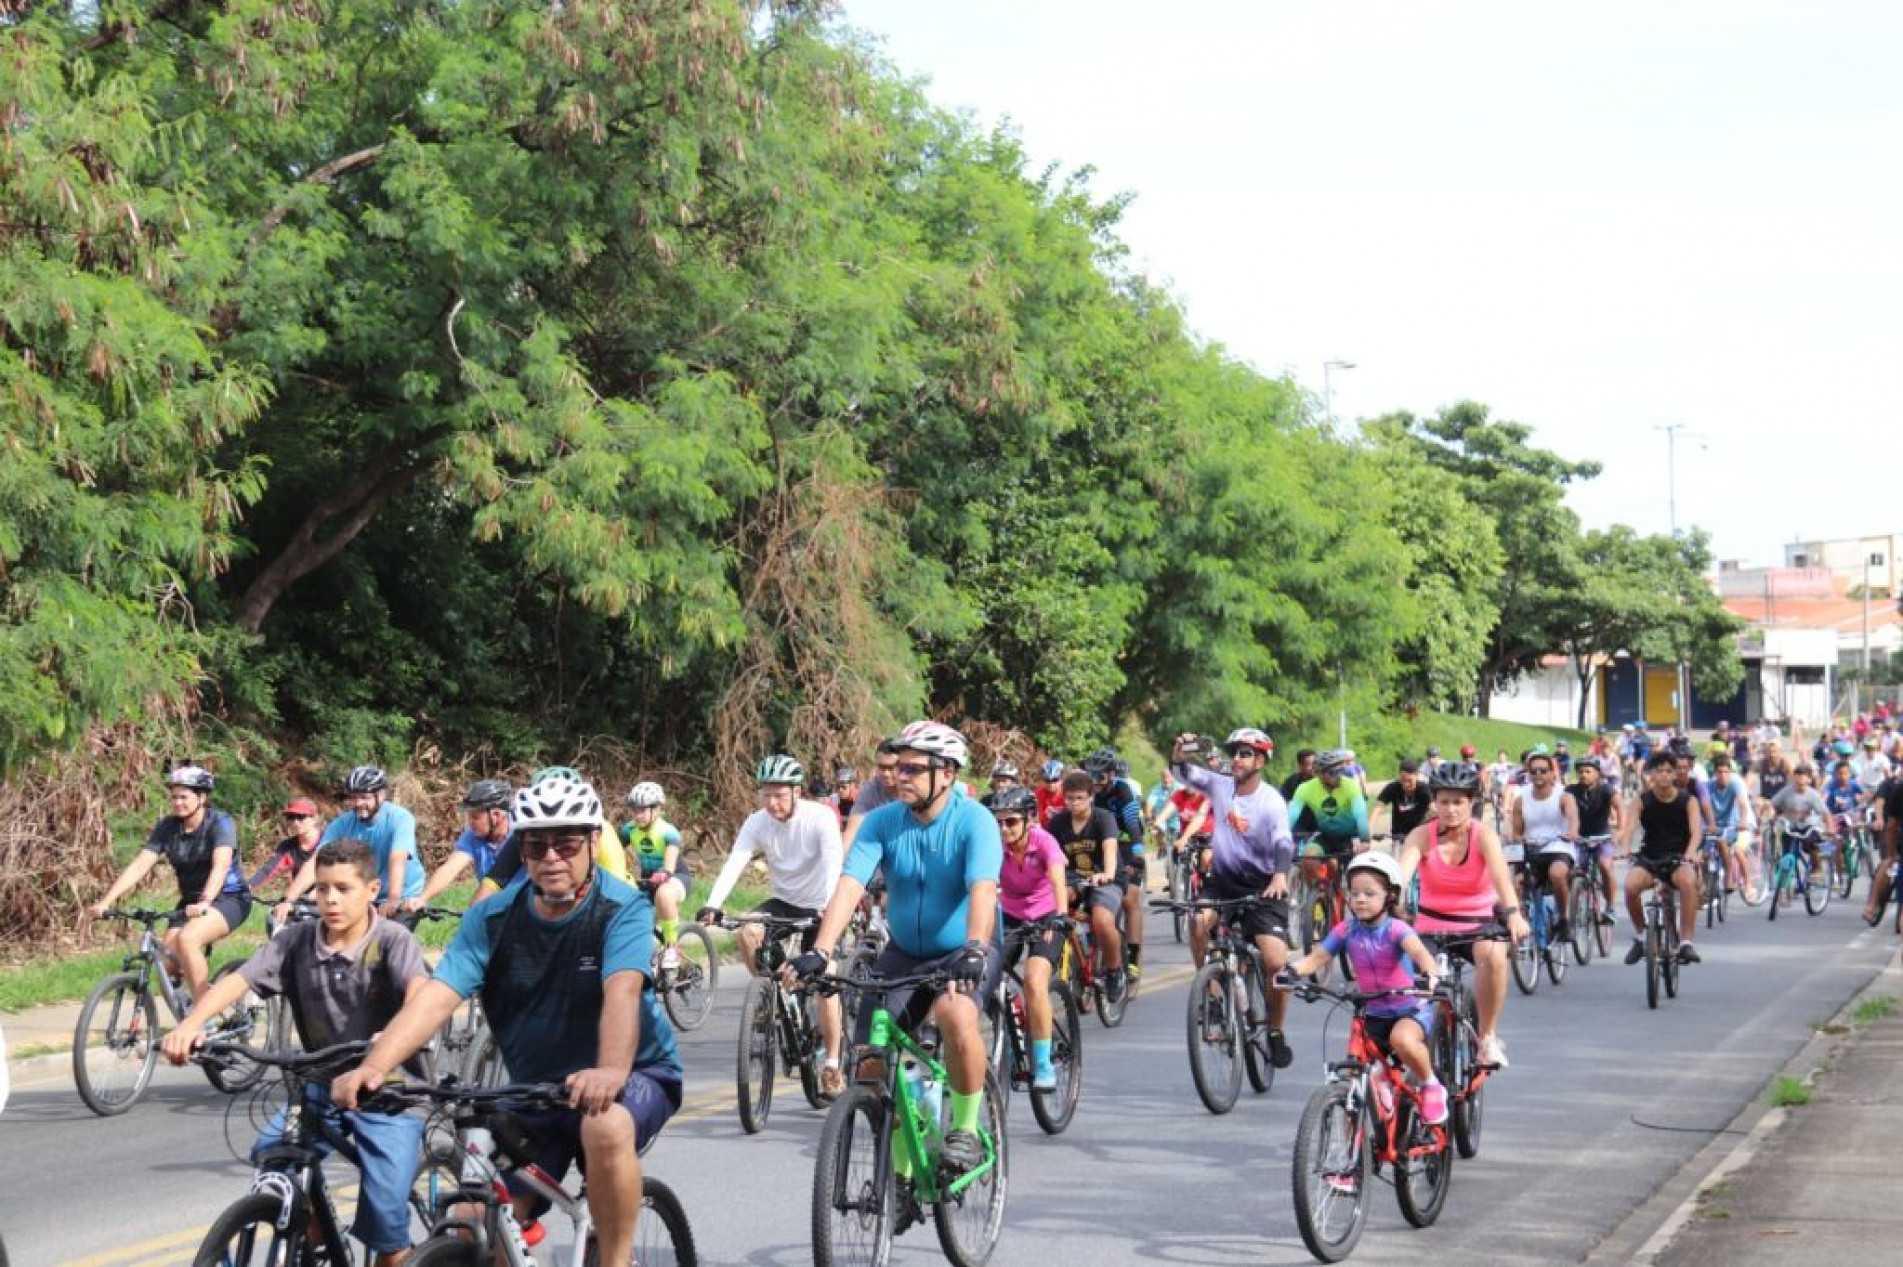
940 854
561 956
389 830
486 808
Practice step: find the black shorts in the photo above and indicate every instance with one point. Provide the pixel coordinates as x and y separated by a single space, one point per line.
1659 867
1541 864
911 1005
235 907
1463 948
1048 947
1268 918
774 908
1381 1028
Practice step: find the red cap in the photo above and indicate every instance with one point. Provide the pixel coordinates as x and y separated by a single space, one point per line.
301 806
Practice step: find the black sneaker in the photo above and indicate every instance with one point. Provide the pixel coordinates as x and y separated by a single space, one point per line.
962 1151
1279 1054
1688 953
907 1211
1562 930
1637 952
1605 917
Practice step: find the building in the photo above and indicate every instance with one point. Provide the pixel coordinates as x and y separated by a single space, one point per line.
1548 696
1856 562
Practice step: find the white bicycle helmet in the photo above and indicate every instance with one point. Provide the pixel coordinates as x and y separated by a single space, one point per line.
196 778
779 769
1376 861
557 802
646 796
934 739
1335 760
1249 737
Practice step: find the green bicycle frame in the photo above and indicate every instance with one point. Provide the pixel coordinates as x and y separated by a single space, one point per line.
919 1139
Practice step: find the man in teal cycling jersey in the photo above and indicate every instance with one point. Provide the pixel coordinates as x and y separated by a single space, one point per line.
1333 806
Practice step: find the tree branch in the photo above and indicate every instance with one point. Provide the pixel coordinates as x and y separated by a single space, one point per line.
322 176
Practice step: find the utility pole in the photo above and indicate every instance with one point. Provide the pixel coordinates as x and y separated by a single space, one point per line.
1671 430
1328 390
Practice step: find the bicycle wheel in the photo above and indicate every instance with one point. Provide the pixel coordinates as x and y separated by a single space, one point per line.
1652 955
1179 892
116 1044
1817 890
853 1183
446 1250
1555 957
753 1070
1112 1000
1330 1173
689 997
1668 954
1583 914
1847 873
970 1220
661 1237
1756 861
1054 1109
1526 954
246 1022
1714 885
247 1235
1215 1038
1469 1101
801 1045
1783 886
1601 925
1255 1036
1424 1171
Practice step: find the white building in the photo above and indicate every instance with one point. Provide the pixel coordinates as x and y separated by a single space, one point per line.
1549 696
1854 561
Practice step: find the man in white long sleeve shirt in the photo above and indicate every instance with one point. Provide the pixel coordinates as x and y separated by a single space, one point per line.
799 839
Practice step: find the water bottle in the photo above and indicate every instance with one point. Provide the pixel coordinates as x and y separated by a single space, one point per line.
1383 1092
934 1099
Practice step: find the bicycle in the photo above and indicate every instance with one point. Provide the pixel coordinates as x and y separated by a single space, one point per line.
1078 967
494 1144
776 1025
1795 875
1011 1044
289 1218
1712 879
1541 912
117 1033
1661 938
1228 1035
686 975
1185 878
1365 1117
1859 856
879 1166
1592 918
1456 1038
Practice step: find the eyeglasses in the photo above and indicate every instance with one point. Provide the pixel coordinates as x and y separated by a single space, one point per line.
914 769
561 846
294 818
1010 820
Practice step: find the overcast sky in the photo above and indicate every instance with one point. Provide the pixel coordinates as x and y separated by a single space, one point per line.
1597 219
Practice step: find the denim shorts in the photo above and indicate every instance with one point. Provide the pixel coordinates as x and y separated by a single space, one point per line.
388 1147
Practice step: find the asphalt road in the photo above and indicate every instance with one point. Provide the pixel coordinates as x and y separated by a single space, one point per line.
1604 1102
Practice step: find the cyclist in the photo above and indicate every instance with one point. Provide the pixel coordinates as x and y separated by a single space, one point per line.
1562 759
1159 808
1117 794
1087 834
293 851
1673 823
1004 775
1774 775
1250 853
941 856
1891 834
201 844
1465 883
881 790
656 844
390 831
799 840
1333 806
1433 762
1735 819
846 781
1379 945
1546 820
1031 890
486 829
1870 767
1050 792
561 957
1304 771
1844 796
1406 798
345 974
1601 815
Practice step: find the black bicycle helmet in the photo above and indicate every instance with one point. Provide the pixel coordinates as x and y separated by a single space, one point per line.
1455 776
1101 764
366 778
1013 800
488 794
196 778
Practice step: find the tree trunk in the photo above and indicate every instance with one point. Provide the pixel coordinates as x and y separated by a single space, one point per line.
328 527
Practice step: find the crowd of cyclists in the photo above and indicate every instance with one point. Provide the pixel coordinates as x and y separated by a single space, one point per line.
572 909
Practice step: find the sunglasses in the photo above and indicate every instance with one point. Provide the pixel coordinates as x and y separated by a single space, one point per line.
1010 820
294 818
914 769
561 846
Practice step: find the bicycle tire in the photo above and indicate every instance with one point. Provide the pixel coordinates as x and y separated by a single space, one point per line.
1215 1056
1054 1109
1714 885
485 1066
689 997
1668 962
853 1184
1420 1182
1526 954
1256 1062
1111 1011
814 1048
1817 892
1601 927
754 1057
969 1223
1179 892
1555 957
662 1237
1583 915
1469 1108
1652 952
1846 876
443 1250
128 1044
1330 1173
246 1234
1782 886
245 1021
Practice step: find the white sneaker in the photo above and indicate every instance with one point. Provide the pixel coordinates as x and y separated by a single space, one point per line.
1493 1051
671 958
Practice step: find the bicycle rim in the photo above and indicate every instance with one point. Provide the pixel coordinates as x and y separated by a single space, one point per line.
1469 1105
753 1068
1215 1049
247 1235
115 1044
853 1183
664 1238
1526 962
1817 892
969 1223
1330 1174
690 994
1420 1181
1054 1109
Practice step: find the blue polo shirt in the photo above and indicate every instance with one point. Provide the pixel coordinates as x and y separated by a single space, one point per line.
929 870
392 828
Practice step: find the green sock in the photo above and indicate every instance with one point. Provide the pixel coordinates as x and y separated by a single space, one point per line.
965 1110
669 929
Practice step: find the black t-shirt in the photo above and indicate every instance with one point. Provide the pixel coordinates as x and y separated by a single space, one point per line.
1292 782
1891 794
1772 780
190 852
1667 831
1083 848
1595 807
1409 808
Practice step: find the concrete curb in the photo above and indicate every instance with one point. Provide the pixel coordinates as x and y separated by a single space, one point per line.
1649 1229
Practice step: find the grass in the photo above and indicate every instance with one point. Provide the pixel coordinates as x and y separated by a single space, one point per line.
1789 1093
1873 1009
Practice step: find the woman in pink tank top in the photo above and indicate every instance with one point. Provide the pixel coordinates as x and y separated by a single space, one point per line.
1464 879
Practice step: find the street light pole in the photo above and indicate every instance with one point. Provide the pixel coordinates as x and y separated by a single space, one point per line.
1671 430
1328 389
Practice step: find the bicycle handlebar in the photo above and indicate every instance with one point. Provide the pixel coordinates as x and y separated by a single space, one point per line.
832 985
142 915
300 1062
1206 903
779 924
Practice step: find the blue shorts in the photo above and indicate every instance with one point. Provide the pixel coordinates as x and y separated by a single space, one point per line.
387 1149
651 1097
1380 1028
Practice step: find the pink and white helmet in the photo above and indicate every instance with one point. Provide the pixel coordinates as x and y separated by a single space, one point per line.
934 739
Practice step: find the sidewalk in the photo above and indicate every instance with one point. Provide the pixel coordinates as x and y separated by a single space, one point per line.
1814 1183
39 1042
